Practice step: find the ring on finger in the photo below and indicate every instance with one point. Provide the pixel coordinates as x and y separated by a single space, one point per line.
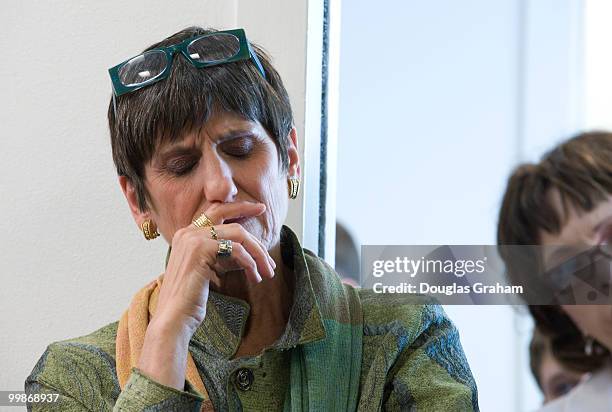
213 233
203 221
225 248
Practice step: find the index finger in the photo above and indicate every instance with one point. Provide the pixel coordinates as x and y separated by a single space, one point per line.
222 212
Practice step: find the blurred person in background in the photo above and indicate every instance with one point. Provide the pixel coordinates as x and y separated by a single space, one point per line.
347 256
553 378
564 204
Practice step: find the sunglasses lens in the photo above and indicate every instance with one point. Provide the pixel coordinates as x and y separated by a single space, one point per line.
143 68
214 48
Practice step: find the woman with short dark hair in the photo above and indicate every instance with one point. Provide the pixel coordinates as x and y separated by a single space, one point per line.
242 318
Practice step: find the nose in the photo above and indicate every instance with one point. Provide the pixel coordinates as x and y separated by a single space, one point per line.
218 181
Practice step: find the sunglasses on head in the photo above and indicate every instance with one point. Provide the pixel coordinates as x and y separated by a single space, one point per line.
204 50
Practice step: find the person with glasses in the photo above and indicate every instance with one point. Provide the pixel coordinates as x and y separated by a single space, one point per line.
242 318
563 204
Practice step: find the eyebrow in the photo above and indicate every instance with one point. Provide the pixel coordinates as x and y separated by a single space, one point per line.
176 150
182 148
235 133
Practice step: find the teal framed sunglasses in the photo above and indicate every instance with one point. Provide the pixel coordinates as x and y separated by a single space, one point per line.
202 51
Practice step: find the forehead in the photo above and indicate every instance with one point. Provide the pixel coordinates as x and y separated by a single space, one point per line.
579 227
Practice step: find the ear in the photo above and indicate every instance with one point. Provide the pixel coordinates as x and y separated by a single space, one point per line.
293 154
130 194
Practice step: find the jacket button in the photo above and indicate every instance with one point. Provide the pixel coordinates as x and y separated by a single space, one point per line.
244 379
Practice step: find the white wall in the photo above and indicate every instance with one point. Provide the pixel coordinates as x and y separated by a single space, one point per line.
438 101
71 255
598 64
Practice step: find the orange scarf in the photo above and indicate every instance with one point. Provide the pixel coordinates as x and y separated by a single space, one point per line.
131 334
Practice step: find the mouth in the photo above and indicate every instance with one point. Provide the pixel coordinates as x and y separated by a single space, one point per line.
240 220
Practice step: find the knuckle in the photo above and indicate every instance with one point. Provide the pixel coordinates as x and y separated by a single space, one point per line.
212 212
251 266
190 239
202 260
238 248
178 235
235 227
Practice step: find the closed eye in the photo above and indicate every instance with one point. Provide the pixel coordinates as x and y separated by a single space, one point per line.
563 387
239 147
181 166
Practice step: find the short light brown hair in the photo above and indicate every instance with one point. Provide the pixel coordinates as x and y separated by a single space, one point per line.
183 102
580 169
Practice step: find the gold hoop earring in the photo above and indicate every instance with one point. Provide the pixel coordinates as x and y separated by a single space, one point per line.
592 347
589 342
149 230
293 186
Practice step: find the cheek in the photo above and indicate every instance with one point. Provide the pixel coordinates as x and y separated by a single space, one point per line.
175 206
276 203
547 371
577 316
270 187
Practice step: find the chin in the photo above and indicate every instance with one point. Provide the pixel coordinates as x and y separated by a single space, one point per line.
253 226
249 224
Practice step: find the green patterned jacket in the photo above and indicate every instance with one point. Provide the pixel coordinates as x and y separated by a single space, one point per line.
410 356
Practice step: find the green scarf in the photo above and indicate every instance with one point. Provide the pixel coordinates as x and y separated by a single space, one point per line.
325 374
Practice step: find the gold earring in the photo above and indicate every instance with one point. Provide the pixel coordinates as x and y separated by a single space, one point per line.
149 230
589 342
294 187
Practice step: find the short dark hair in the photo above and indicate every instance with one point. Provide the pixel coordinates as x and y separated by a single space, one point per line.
580 169
183 102
538 346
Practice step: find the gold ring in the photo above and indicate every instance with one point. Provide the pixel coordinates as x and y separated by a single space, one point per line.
225 248
203 221
213 232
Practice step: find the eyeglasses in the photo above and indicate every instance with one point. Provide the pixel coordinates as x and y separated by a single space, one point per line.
202 51
593 267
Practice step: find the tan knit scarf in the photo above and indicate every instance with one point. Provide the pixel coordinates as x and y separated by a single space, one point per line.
131 334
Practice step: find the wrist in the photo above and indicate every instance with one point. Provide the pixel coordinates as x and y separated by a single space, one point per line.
168 329
164 353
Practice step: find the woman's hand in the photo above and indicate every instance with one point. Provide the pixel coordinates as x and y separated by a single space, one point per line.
193 263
